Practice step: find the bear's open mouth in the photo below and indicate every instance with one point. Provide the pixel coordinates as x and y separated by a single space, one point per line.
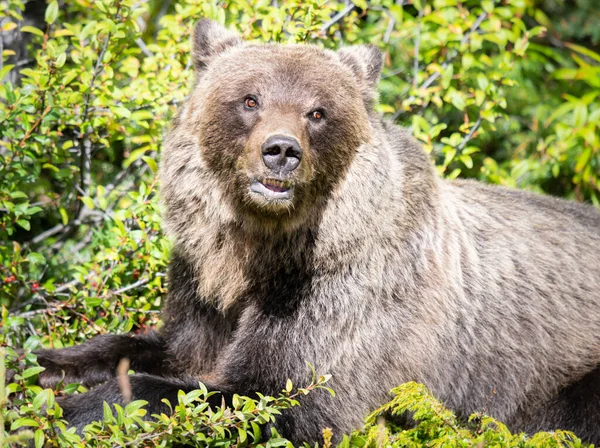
278 186
272 188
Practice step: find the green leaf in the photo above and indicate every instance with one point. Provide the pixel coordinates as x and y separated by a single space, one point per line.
33 210
64 216
35 257
108 415
89 203
22 422
488 6
32 30
583 159
51 12
39 400
7 68
458 101
39 438
93 301
134 406
25 224
580 114
122 111
60 60
18 195
583 50
32 371
242 435
151 163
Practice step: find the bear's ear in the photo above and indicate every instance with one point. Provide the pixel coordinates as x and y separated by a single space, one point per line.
365 61
209 40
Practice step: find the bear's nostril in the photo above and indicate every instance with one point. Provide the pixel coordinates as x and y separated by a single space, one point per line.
281 153
291 152
273 151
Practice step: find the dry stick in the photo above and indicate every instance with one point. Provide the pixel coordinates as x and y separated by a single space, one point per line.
132 286
339 16
123 380
140 43
86 143
417 44
389 29
469 136
35 125
1 67
47 234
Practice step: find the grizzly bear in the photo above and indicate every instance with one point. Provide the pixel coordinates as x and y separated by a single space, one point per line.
308 229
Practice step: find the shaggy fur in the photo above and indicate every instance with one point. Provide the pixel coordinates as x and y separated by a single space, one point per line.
376 271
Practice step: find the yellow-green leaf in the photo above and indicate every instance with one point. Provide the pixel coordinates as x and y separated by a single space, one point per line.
32 30
51 12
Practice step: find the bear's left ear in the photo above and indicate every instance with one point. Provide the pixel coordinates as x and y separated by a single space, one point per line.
365 61
209 40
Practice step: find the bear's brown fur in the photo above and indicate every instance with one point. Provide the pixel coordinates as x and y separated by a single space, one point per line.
359 260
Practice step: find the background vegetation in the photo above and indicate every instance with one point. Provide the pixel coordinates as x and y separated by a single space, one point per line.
503 91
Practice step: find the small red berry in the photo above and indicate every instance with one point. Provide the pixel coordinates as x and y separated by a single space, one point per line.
35 286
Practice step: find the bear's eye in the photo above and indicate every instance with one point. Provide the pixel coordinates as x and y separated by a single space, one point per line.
316 115
250 102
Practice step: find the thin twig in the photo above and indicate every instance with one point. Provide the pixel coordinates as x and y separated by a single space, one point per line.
339 16
85 164
389 29
132 286
46 234
1 67
67 286
97 71
86 144
140 43
417 44
469 136
123 380
32 313
35 125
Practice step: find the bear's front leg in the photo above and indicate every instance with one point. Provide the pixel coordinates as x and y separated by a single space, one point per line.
96 360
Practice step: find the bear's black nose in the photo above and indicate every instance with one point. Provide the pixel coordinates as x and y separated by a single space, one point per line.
281 153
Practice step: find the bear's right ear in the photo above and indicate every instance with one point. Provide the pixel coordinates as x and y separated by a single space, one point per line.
209 40
366 62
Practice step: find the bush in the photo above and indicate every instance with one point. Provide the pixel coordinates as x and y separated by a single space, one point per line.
491 89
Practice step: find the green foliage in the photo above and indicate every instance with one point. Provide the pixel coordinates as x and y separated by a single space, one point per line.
502 91
436 426
189 421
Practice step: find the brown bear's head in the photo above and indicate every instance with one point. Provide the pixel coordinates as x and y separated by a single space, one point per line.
277 126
